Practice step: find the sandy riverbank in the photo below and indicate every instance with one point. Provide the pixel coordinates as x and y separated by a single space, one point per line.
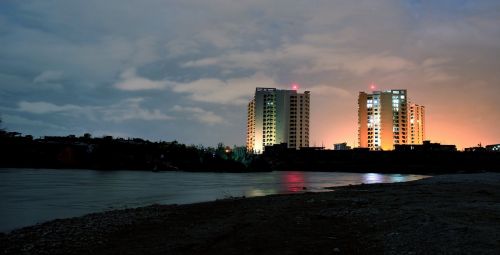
449 214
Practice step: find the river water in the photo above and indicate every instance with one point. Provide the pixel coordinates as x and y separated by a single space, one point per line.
30 196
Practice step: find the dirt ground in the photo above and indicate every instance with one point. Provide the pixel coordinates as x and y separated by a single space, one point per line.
448 214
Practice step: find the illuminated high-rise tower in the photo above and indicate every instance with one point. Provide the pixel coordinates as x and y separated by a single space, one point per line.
251 125
382 119
278 116
416 122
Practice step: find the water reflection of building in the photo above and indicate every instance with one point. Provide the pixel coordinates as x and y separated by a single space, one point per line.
260 192
397 178
294 181
372 178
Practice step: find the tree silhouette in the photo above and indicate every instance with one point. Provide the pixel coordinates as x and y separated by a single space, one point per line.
1 128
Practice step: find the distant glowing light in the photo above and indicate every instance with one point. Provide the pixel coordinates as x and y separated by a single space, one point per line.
372 86
295 86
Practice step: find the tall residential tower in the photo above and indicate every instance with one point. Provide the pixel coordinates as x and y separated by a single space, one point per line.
278 116
384 120
416 121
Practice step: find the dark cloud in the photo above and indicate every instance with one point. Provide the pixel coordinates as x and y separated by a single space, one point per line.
184 69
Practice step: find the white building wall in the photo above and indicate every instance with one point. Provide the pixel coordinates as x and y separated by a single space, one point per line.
280 116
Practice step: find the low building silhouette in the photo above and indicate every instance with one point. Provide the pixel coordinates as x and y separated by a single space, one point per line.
426 146
493 147
341 147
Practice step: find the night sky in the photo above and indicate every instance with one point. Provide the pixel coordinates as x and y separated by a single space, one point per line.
185 70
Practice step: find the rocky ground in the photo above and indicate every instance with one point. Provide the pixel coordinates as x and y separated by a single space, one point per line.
449 214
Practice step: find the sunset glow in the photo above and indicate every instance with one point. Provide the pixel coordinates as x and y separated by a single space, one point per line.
192 81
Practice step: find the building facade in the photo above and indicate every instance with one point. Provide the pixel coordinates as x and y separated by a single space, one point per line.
416 122
384 118
341 147
493 147
278 116
251 125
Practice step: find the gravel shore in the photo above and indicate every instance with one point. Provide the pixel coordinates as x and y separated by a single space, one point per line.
448 214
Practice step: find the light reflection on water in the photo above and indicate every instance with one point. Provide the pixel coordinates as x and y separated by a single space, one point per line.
370 178
29 196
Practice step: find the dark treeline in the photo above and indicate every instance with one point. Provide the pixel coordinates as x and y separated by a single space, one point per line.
108 153
359 160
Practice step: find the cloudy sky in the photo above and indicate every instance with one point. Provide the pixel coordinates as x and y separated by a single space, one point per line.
184 70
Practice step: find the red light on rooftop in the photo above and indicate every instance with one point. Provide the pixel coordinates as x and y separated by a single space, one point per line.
295 86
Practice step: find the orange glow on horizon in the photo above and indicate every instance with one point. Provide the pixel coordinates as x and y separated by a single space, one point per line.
438 130
444 124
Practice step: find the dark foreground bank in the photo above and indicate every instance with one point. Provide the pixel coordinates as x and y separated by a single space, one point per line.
448 214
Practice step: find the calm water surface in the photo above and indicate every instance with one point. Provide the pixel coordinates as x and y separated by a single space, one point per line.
30 196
